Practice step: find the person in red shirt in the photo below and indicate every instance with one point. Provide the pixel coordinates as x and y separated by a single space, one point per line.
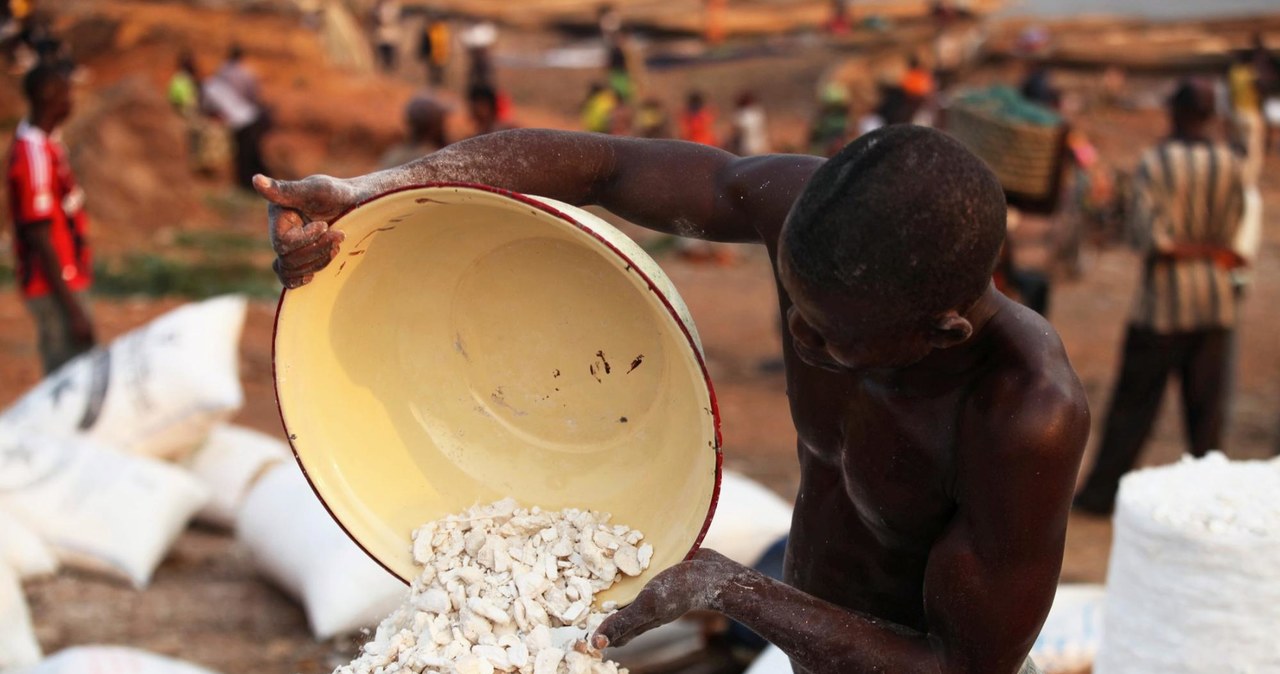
697 122
46 207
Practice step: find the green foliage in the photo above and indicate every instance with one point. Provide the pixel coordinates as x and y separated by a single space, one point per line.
660 245
156 276
221 243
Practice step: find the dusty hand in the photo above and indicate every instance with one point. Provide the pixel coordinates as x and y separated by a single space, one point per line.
689 586
299 217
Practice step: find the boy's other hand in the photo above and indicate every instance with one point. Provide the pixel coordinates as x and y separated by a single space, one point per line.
299 216
693 585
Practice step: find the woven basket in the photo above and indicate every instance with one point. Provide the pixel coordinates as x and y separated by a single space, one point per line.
1026 158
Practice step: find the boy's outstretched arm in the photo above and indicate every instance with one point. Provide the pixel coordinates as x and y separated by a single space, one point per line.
669 186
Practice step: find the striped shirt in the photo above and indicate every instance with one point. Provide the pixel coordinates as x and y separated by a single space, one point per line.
1185 193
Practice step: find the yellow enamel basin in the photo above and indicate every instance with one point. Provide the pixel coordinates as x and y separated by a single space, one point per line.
470 344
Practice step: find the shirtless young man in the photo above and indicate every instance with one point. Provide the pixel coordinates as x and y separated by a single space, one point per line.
940 424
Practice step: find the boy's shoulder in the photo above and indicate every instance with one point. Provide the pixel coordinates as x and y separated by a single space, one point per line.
1030 388
1025 343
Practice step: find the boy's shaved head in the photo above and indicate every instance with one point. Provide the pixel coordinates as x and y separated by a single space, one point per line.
905 217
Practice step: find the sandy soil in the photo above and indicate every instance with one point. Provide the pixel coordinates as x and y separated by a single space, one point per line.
206 604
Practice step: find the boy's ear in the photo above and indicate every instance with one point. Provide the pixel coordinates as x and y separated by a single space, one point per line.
949 329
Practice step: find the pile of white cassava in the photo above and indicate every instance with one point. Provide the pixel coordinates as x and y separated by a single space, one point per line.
506 589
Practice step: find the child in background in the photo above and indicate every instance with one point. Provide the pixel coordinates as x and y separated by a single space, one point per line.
598 108
750 136
697 122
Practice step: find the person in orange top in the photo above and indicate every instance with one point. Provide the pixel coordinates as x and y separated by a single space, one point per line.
698 121
918 82
433 48
918 87
714 30
47 209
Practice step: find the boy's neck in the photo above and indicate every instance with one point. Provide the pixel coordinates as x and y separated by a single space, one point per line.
44 122
943 366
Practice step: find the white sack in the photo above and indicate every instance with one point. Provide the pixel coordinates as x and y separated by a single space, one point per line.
23 551
298 546
771 661
229 464
111 660
661 646
156 391
749 518
99 509
1073 631
18 645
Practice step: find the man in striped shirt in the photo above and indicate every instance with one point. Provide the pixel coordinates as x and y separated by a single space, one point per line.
1188 204
46 206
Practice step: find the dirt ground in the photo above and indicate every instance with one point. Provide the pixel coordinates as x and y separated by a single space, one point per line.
207 605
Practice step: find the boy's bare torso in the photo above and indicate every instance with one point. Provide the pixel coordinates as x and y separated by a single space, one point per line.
877 458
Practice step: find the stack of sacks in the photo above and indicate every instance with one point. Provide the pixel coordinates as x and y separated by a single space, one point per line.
88 477
83 477
104 464
98 509
297 545
82 455
157 391
110 660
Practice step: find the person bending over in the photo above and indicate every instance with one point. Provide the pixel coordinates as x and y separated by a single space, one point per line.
940 424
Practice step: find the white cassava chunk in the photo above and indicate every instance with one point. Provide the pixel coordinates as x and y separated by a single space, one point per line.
628 560
506 589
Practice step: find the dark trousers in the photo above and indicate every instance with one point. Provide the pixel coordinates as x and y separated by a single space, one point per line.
1033 289
248 158
387 57
435 73
1200 360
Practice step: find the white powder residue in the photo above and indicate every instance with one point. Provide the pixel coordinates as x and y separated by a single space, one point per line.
505 589
1194 580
